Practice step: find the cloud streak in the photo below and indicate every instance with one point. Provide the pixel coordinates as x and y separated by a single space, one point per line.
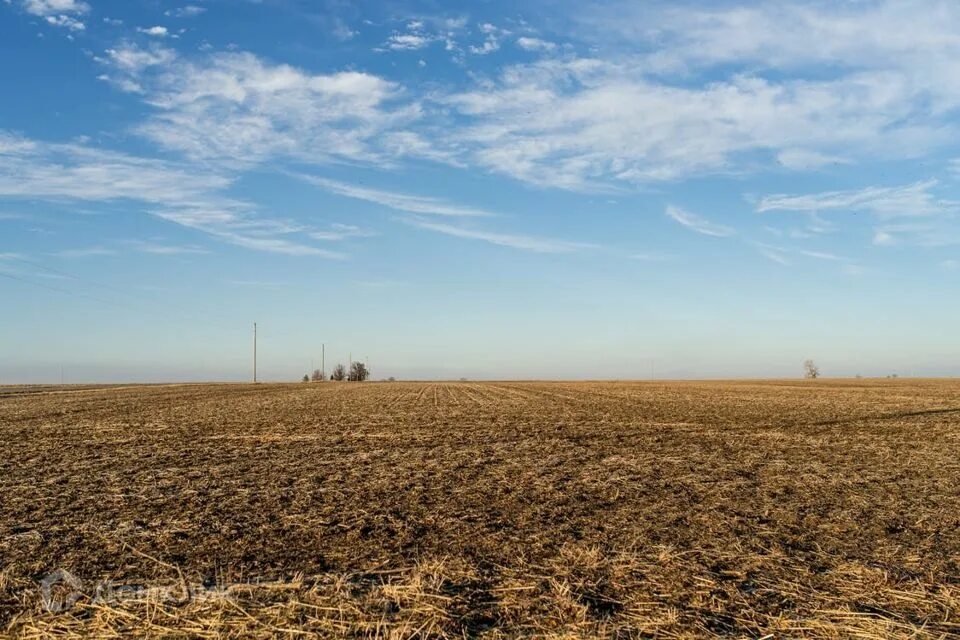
514 241
884 202
698 223
393 200
174 192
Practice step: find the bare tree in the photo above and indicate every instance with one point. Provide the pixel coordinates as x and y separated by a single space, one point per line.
339 373
811 370
358 372
316 376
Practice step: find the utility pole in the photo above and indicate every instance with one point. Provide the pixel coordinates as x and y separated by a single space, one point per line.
323 357
254 353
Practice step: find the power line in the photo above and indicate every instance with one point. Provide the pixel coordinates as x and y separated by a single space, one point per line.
68 291
183 314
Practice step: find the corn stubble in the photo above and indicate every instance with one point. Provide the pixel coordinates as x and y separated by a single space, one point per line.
821 509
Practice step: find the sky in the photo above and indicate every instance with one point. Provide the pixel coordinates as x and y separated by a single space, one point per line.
481 189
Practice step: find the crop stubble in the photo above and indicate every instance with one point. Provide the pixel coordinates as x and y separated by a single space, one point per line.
814 509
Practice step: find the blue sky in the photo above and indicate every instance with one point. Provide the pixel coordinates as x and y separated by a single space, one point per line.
486 189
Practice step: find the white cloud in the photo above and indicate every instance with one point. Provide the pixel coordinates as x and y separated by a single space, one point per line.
55 7
33 169
822 255
883 238
868 89
66 22
131 59
339 231
175 192
489 45
343 32
407 42
155 31
58 13
240 110
783 255
398 201
86 252
12 144
885 202
774 255
940 231
848 34
491 42
574 123
163 249
535 44
522 242
453 24
699 224
188 11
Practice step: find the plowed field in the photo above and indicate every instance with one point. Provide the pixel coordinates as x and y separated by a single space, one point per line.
741 509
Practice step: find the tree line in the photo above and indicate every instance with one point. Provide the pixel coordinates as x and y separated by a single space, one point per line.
358 372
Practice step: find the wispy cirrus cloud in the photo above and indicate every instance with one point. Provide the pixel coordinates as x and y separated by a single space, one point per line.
785 255
522 242
927 232
86 252
171 191
916 199
161 248
338 232
393 200
698 223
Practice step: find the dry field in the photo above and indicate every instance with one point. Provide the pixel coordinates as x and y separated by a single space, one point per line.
738 509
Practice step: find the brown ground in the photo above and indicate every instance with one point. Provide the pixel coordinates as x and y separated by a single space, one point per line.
798 509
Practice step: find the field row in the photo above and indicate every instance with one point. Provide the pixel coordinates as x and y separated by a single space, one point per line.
821 509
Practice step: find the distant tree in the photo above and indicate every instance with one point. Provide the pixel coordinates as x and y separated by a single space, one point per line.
391 379
306 378
317 375
358 372
339 373
811 370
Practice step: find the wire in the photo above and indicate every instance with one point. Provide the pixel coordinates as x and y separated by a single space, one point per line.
67 291
185 316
